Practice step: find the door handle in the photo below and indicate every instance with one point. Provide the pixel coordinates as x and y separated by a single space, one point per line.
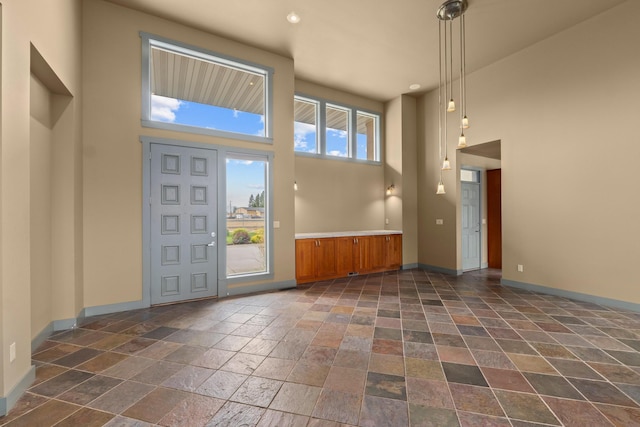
212 244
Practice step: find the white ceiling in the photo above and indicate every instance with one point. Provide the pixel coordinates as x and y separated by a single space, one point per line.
374 48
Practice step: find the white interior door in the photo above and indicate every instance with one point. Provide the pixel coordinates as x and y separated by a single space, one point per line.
184 255
470 226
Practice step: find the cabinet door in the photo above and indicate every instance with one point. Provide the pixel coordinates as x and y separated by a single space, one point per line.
394 251
345 256
305 260
378 252
326 258
362 254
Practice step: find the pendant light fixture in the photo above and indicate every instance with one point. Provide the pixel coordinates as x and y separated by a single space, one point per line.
446 14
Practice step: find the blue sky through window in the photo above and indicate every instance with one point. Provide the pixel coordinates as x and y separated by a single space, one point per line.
337 142
244 178
206 116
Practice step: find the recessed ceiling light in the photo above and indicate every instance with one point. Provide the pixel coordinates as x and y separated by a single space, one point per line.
293 17
414 86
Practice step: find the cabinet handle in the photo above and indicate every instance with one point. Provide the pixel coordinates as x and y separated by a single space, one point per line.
317 243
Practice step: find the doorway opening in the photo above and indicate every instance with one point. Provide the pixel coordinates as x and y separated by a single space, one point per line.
481 206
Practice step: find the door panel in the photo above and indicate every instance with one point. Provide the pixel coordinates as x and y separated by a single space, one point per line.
470 226
184 254
494 218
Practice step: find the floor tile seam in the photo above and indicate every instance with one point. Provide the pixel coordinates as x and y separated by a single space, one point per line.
85 407
46 400
155 387
505 417
593 405
79 407
30 389
75 367
605 380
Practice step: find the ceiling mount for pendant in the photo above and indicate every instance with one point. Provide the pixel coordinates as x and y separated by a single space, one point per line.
451 9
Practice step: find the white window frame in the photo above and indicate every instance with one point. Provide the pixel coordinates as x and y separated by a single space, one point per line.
149 40
267 158
350 127
321 131
317 105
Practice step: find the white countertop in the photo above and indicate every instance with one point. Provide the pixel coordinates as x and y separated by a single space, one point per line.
345 234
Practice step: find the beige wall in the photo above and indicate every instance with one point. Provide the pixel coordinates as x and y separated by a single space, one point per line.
40 209
335 195
338 195
563 110
54 30
113 153
401 207
437 244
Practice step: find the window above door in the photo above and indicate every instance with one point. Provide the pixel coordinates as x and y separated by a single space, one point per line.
188 89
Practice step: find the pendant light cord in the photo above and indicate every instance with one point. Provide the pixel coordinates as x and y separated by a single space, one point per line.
464 64
440 91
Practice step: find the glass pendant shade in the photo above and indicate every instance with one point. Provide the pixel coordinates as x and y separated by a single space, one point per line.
465 122
462 141
440 188
452 106
446 165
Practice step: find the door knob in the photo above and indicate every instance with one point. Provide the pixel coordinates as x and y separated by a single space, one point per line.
212 244
213 234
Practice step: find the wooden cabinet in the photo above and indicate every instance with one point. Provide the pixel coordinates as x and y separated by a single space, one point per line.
346 254
315 259
326 258
334 257
393 251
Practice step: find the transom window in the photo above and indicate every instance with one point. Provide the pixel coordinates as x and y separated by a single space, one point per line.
329 130
469 175
193 90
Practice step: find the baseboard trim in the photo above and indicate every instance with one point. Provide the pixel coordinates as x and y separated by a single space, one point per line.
440 269
98 310
409 266
41 337
239 290
55 326
7 402
573 295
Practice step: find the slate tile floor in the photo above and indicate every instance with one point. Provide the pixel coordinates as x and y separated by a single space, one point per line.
409 348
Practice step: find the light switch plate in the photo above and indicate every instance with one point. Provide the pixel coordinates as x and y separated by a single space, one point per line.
276 224
439 221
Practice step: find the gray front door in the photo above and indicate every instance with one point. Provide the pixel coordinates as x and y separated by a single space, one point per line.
470 226
183 223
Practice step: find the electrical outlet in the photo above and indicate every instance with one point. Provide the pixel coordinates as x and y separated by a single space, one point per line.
520 268
386 221
12 352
